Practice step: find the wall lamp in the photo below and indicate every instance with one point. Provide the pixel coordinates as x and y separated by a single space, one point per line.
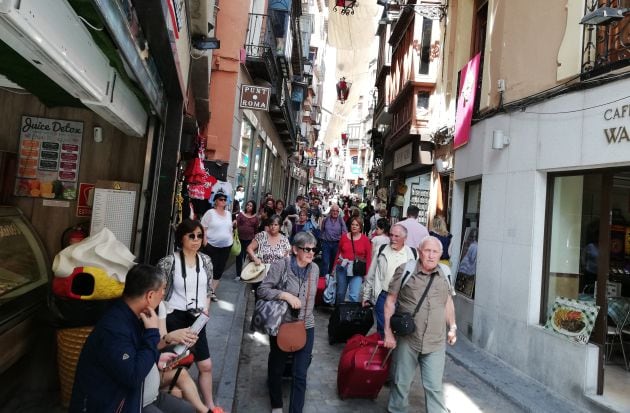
604 15
499 140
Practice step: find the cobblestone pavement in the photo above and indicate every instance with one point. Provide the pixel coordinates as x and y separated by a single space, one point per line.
464 392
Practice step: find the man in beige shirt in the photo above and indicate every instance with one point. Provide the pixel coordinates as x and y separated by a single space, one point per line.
386 259
426 345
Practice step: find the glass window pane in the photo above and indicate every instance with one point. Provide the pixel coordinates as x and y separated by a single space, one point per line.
256 170
467 271
574 234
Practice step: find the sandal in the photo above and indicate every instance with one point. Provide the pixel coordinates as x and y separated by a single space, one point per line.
213 298
216 409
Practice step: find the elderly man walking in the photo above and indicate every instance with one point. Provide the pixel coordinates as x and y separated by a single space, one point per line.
426 344
332 229
385 262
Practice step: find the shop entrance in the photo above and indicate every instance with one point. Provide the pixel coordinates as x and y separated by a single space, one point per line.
588 259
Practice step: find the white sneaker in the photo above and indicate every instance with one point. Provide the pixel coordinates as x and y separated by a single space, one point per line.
277 410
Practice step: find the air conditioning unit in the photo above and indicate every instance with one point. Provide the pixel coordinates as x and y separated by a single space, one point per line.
121 108
50 35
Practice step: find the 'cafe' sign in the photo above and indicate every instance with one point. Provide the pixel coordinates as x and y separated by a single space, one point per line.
619 132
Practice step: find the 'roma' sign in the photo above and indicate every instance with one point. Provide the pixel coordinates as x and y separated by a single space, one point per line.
255 97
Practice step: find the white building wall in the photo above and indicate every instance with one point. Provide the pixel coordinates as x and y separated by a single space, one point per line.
506 310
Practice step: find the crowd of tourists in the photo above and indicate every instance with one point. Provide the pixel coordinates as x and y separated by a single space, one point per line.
400 271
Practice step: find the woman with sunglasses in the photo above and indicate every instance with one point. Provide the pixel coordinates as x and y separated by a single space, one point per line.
353 246
188 274
218 225
299 292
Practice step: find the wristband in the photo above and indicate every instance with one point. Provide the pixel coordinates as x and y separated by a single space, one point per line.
453 327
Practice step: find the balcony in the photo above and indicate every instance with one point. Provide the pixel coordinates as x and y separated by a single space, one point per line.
268 50
606 46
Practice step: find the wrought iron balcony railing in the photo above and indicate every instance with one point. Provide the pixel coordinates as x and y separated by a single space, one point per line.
606 46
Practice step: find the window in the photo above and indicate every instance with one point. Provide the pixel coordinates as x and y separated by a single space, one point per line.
425 50
247 133
467 271
422 104
480 26
573 219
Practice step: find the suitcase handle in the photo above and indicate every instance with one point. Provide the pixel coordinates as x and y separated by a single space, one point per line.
380 343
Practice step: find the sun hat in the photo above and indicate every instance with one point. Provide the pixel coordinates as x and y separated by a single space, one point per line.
253 273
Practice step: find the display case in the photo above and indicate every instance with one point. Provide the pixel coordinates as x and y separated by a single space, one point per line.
24 275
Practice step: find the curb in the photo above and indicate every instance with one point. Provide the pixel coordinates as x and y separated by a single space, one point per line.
523 391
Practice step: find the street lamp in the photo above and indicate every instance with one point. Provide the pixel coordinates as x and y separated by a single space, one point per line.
604 15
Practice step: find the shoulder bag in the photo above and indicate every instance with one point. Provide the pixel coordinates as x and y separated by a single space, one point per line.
402 323
235 250
359 266
268 314
292 335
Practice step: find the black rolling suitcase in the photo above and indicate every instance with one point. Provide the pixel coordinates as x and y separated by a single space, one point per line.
347 320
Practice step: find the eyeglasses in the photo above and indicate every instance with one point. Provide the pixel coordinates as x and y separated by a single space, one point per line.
193 236
308 249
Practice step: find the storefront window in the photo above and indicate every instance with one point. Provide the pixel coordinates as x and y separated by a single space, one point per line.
467 271
263 170
253 191
573 242
247 134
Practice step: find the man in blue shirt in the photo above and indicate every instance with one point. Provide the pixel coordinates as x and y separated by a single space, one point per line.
122 348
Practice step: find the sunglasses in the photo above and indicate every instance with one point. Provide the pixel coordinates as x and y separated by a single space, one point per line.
308 249
193 236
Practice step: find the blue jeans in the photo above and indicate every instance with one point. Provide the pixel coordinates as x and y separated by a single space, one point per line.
351 284
329 250
275 367
431 371
379 312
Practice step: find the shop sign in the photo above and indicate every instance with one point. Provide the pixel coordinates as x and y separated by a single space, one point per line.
255 97
50 153
466 101
355 169
403 156
619 132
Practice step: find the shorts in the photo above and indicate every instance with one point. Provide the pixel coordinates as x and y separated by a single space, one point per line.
183 319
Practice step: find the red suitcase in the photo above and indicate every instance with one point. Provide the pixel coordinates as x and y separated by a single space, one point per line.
321 286
363 367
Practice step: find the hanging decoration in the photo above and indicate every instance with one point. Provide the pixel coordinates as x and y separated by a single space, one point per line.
344 138
347 6
343 89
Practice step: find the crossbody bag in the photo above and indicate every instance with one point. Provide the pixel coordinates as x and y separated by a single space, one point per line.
401 322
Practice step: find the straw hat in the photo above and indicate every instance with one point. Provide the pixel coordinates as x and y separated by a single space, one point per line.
253 273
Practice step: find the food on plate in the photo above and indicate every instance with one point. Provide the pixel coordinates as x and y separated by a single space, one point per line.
569 320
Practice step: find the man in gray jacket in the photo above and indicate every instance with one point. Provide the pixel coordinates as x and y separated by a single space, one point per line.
388 258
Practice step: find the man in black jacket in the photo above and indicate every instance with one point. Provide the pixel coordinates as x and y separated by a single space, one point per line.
122 348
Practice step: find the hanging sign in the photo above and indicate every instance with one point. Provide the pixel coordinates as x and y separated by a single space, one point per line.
466 101
255 97
50 151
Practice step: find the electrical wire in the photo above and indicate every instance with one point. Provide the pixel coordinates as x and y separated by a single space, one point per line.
90 25
578 110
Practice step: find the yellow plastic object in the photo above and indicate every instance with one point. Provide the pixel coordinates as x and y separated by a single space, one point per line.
105 287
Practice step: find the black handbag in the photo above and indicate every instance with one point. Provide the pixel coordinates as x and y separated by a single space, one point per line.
401 322
359 266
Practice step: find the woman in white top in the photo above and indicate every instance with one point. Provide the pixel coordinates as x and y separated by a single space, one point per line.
188 275
218 226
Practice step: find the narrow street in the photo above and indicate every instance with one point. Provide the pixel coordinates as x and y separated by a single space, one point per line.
465 393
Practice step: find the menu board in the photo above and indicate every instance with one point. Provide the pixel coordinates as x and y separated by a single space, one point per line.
49 156
420 197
